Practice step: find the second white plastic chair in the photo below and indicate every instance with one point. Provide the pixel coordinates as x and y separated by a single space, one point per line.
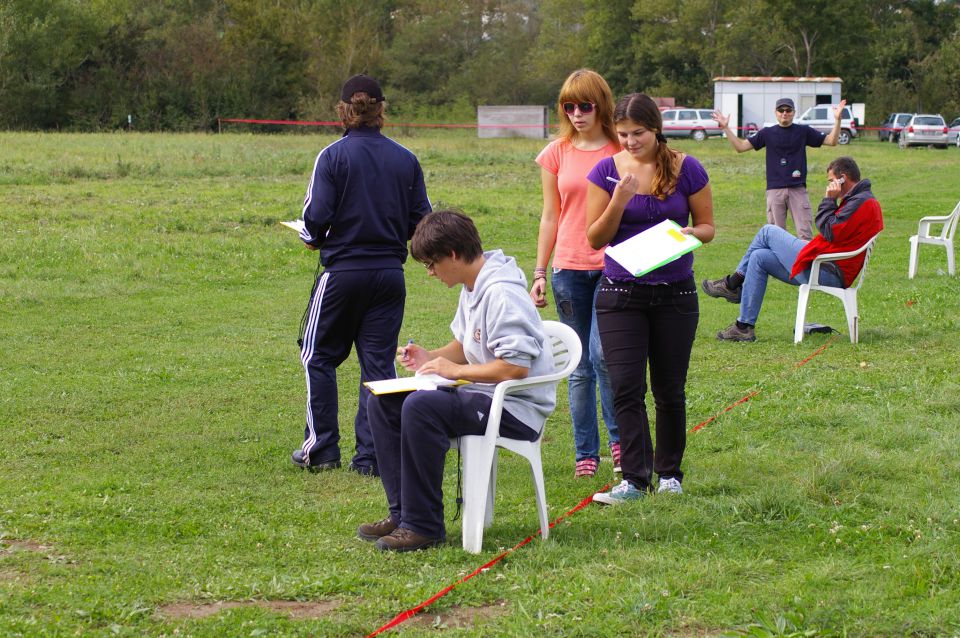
480 452
945 239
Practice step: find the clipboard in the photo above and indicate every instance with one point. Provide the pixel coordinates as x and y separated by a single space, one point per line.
411 384
654 247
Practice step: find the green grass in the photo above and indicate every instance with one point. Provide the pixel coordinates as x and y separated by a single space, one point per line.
151 392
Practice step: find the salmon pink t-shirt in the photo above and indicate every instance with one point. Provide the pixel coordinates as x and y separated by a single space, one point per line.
571 166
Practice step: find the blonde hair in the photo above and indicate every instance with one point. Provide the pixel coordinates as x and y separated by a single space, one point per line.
641 109
361 110
586 85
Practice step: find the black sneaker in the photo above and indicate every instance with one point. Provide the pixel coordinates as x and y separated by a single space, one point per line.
721 289
375 531
300 460
406 540
736 333
364 470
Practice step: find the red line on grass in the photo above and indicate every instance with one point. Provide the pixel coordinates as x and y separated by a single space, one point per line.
403 616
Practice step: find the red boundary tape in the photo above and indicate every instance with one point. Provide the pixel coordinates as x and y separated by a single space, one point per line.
413 611
403 616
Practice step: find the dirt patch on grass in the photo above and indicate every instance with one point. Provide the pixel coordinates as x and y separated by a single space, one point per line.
10 546
457 617
306 610
11 576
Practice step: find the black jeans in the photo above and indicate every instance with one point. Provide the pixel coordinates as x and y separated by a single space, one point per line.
656 323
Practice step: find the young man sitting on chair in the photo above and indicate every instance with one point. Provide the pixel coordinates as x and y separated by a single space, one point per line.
497 335
847 218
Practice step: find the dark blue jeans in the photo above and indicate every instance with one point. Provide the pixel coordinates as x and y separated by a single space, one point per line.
575 291
412 435
655 325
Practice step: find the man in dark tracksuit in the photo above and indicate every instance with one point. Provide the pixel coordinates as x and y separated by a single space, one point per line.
363 203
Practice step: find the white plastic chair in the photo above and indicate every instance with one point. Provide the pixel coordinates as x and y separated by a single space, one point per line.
945 239
847 295
479 452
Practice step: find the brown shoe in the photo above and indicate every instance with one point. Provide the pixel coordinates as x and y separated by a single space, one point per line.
736 333
406 540
375 531
721 289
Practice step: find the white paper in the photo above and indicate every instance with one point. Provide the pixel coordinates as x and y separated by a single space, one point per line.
652 248
296 224
409 384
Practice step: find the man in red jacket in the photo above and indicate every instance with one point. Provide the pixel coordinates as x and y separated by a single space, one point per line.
847 218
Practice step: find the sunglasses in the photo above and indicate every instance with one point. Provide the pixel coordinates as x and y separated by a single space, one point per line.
585 107
784 109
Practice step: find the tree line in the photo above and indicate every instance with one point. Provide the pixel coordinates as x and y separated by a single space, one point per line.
181 64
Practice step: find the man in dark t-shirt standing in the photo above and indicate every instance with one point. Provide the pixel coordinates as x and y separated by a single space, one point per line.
786 144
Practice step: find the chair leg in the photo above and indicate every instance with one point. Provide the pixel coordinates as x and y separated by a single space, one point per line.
914 250
536 467
951 263
853 318
477 459
488 511
801 312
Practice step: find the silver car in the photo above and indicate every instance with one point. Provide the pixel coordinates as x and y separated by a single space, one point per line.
953 133
924 129
696 123
821 118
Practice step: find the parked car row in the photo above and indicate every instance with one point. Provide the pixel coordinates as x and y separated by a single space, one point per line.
920 129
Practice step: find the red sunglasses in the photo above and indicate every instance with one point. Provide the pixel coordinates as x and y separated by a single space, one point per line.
585 107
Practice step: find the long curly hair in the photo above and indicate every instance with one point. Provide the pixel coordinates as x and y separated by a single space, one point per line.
361 110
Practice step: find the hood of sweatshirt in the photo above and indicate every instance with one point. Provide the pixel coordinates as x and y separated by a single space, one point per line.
498 268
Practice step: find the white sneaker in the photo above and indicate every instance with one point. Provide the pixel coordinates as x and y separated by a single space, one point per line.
669 486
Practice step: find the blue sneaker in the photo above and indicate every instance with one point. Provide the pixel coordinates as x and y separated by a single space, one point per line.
620 494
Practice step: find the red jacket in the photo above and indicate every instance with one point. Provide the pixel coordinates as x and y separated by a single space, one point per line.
843 228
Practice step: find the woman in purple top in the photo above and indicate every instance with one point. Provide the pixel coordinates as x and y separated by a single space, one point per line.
653 317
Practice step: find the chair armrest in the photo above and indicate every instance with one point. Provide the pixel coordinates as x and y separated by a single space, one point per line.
926 222
512 386
825 257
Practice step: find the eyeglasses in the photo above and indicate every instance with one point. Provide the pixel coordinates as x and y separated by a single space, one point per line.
429 265
784 109
585 107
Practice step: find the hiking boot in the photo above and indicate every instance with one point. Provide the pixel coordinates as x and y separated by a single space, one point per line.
721 289
585 468
669 486
406 540
620 494
736 333
615 454
299 459
364 470
375 531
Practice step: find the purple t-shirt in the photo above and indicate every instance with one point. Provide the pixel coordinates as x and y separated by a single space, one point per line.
645 211
787 152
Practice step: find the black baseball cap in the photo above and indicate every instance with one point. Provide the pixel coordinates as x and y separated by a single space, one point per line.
785 101
361 83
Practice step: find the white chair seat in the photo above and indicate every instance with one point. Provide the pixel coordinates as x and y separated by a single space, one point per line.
847 295
479 452
945 239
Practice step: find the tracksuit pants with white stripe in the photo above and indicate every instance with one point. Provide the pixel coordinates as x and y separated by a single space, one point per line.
348 307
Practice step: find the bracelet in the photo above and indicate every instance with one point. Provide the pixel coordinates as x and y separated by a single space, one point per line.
539 272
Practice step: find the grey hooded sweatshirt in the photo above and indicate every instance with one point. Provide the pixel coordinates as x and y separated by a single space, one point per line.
497 320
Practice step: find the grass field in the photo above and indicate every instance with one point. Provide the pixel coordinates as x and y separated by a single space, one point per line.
151 393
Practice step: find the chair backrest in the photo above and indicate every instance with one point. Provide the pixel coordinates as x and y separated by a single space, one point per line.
564 343
866 259
950 228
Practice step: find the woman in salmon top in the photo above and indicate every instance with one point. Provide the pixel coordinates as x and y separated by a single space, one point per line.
587 135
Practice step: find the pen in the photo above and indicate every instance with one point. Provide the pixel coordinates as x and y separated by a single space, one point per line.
613 179
409 343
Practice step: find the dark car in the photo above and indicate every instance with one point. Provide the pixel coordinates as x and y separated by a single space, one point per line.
891 127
